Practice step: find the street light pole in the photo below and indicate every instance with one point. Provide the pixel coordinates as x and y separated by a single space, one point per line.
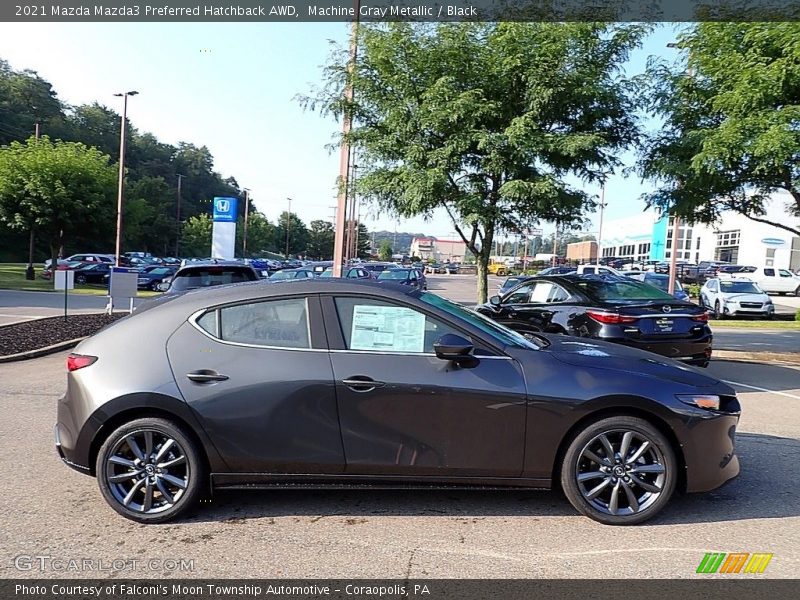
121 186
600 228
288 225
246 214
178 218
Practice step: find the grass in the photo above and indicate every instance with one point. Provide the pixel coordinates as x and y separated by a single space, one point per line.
12 277
755 324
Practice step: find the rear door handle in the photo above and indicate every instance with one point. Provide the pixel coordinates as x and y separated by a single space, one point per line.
206 376
362 384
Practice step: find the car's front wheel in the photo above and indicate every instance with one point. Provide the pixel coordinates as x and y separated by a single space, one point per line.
149 470
620 470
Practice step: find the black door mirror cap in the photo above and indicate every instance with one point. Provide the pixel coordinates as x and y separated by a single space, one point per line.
456 348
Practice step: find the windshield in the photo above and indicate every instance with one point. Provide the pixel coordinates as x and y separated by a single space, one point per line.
498 332
393 274
208 276
662 282
739 287
327 273
619 290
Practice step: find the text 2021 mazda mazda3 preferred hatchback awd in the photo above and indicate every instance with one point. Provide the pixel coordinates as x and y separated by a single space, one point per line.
331 382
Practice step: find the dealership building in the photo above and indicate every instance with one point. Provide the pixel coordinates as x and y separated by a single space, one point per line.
442 250
733 238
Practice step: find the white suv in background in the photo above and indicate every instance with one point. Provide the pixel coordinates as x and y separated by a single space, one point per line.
87 258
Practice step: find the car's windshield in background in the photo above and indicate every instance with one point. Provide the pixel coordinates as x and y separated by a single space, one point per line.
499 332
662 282
619 290
393 274
739 287
208 276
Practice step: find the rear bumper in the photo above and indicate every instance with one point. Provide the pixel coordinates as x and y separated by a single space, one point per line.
66 453
693 351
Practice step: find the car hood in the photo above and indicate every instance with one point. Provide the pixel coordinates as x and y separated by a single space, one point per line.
582 352
748 297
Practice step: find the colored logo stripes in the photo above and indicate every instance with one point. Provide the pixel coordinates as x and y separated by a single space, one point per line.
734 562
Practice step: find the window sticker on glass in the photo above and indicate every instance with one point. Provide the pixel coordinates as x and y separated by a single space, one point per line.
387 329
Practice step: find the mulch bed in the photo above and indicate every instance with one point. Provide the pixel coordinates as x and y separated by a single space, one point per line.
40 333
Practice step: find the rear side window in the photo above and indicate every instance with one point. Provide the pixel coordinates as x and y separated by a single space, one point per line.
210 276
275 323
769 272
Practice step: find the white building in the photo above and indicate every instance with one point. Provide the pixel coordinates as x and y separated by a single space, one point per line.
734 238
438 249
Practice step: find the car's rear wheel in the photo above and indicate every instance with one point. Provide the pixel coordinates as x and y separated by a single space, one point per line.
717 310
149 470
620 470
797 291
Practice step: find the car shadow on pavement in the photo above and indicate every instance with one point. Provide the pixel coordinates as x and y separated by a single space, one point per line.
765 489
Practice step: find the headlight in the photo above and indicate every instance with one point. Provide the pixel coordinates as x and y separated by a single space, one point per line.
701 401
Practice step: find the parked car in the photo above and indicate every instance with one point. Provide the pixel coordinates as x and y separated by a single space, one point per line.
285 274
375 268
97 272
705 269
728 269
610 308
151 277
681 265
349 273
562 270
451 268
83 258
661 281
319 267
69 265
775 281
735 298
249 386
410 277
434 268
596 270
206 274
513 281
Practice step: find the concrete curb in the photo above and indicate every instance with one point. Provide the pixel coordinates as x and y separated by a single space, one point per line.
42 351
760 357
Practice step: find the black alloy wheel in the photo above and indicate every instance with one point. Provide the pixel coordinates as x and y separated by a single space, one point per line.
619 471
149 470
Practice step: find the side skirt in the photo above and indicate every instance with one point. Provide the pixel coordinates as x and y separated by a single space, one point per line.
386 482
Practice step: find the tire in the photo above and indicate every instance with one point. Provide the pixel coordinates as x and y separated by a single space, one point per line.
186 477
80 279
797 291
644 502
717 311
154 286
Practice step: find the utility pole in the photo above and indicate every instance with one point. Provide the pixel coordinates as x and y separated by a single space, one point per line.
178 218
246 214
121 187
344 155
30 274
288 225
600 229
673 267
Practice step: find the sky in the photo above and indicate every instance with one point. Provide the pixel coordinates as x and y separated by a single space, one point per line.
232 87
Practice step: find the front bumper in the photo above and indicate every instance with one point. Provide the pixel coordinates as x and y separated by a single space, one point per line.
735 310
709 450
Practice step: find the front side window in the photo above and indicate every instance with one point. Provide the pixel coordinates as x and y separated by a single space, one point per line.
785 273
277 323
377 326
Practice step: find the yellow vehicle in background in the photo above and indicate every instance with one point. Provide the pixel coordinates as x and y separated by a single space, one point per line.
497 268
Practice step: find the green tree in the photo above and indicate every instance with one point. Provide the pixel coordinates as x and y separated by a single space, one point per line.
196 236
25 98
56 189
260 234
731 110
362 241
486 120
385 250
320 240
298 234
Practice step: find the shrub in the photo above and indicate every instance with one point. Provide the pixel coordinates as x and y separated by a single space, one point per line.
693 289
797 315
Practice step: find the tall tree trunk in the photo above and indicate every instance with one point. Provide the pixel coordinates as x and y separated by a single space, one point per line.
482 261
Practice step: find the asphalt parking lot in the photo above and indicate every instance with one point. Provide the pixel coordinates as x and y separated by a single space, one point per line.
48 510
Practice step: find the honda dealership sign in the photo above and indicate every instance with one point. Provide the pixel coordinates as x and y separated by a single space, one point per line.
223 236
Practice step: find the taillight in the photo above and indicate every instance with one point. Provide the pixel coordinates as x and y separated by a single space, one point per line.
610 318
78 361
701 318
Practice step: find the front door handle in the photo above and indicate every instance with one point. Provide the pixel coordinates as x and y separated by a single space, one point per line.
206 376
362 384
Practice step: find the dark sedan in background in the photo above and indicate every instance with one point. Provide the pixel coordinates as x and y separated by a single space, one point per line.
606 307
410 277
97 272
335 382
152 277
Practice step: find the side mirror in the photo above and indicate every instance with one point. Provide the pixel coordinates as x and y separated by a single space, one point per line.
163 286
495 301
454 347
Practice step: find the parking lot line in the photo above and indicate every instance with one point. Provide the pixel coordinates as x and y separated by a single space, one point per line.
760 389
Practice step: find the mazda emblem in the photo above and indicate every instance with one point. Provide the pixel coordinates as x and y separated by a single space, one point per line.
666 309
